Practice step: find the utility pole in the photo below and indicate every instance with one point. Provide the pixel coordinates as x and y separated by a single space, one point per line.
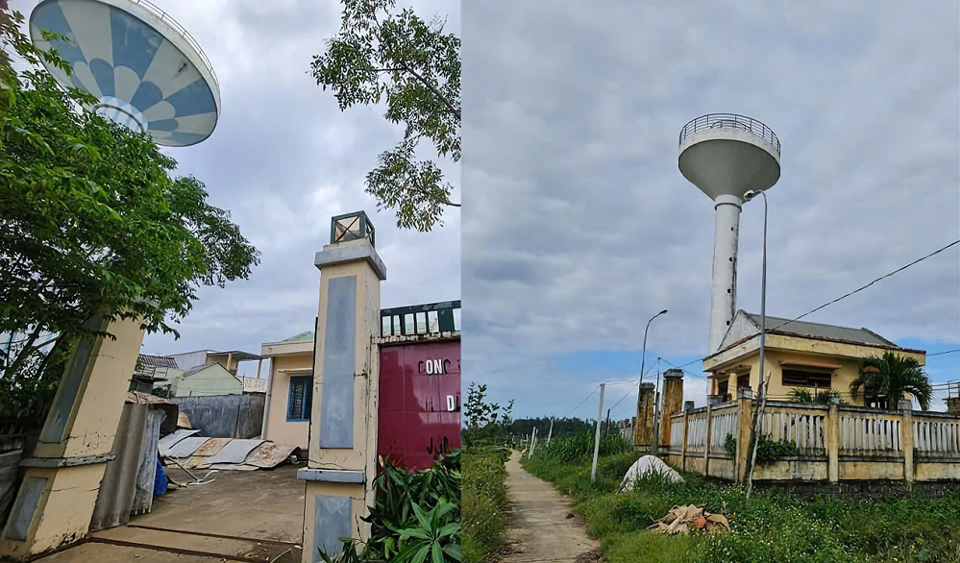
655 439
607 423
533 442
550 433
596 441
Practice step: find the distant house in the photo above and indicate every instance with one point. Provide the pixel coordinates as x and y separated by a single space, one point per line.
799 354
229 360
206 380
154 371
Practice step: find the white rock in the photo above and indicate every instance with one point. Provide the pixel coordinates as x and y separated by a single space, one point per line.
646 465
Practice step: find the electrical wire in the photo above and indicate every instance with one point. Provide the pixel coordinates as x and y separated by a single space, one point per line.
582 402
844 296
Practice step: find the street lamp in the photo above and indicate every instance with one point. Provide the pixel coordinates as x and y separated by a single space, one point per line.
643 359
763 281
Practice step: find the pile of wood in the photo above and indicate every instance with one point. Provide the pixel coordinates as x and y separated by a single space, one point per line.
681 519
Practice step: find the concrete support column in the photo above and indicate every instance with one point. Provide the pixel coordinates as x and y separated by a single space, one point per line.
906 439
687 407
833 442
643 427
723 292
953 404
744 424
59 490
342 461
672 402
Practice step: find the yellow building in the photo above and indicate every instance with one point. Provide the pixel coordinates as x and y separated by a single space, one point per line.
286 416
799 354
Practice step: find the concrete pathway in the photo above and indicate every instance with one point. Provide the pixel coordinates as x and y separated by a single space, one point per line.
248 516
540 526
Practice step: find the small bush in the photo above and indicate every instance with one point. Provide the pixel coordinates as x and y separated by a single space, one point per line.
768 449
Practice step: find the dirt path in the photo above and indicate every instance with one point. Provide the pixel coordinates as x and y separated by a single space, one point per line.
538 526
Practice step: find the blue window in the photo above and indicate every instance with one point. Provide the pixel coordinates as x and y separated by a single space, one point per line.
300 400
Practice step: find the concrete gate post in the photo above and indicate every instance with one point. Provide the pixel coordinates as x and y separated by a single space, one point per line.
342 461
59 490
643 427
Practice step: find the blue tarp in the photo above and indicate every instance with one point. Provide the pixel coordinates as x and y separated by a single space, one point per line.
160 481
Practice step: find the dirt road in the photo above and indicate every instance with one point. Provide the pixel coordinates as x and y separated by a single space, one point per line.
538 527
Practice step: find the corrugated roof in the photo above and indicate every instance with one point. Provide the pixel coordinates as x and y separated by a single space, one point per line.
819 330
158 361
302 337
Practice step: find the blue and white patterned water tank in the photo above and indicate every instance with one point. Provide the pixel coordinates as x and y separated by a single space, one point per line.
146 71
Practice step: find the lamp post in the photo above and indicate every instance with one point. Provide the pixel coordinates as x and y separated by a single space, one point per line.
763 337
763 280
643 359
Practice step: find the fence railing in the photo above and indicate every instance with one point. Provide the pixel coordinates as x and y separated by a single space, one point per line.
833 443
413 320
732 121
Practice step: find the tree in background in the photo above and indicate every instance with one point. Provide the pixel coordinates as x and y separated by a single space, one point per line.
893 376
561 426
91 222
486 423
414 68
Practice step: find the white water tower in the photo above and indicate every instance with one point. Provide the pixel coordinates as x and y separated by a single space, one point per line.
727 155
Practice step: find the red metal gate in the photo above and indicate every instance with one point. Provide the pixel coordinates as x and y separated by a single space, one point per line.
419 402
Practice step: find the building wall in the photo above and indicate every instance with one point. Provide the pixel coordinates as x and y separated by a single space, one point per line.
294 433
214 380
190 359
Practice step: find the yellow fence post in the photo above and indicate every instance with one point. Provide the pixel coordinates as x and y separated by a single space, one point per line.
833 442
744 424
906 438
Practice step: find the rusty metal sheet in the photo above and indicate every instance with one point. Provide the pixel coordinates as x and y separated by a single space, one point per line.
212 447
269 454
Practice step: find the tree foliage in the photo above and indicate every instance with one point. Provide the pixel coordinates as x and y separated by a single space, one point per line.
413 67
487 424
91 220
817 397
893 376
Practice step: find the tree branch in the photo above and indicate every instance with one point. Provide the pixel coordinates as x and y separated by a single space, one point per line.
433 89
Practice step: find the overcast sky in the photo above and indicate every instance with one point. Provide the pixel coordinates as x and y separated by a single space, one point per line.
578 226
284 159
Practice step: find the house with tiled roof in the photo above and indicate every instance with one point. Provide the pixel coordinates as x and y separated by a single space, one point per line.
799 355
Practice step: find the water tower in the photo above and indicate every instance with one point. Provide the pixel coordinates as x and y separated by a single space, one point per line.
727 155
144 69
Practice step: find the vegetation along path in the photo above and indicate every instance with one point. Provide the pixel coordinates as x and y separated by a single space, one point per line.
539 527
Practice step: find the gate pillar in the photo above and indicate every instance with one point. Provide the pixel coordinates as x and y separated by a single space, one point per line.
62 477
342 460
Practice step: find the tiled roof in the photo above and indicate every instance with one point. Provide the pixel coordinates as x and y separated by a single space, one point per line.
302 337
818 330
158 361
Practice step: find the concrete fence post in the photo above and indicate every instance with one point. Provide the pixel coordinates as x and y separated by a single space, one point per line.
906 439
744 425
833 441
706 445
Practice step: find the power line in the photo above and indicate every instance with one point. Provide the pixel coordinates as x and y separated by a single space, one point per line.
629 391
861 288
583 401
943 353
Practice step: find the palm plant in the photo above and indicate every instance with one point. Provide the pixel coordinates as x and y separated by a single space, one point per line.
818 397
893 376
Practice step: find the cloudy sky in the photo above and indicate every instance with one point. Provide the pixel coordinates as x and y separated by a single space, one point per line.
578 226
283 160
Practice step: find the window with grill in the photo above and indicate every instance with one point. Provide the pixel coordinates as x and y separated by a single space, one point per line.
300 400
804 378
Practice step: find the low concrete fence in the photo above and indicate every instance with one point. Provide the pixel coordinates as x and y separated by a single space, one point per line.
224 416
833 443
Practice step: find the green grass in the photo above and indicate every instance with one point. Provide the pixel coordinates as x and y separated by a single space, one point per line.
772 527
483 502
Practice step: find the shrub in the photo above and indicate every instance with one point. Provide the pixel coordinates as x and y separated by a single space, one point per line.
484 502
768 449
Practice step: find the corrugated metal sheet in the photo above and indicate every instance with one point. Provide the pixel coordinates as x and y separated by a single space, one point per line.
819 330
127 485
119 480
235 452
171 440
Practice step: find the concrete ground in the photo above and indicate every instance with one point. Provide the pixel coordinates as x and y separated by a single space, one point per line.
540 525
240 516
